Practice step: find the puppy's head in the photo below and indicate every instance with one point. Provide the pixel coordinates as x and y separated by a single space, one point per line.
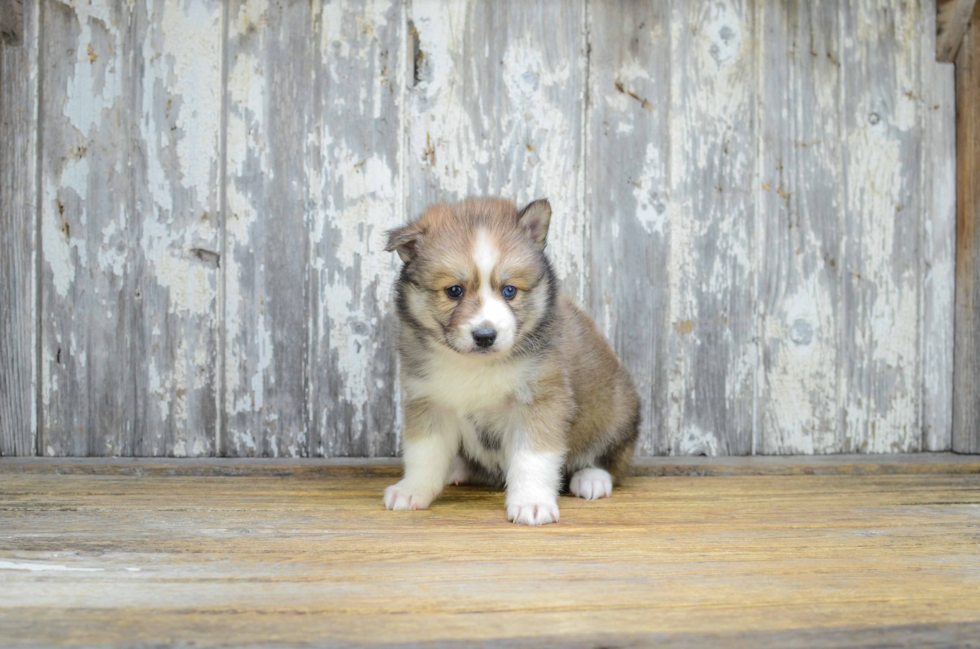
475 278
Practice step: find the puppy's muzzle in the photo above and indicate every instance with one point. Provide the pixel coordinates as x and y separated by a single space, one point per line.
484 338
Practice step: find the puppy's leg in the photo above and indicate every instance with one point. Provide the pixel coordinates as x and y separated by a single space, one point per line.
459 472
594 477
591 483
533 480
431 443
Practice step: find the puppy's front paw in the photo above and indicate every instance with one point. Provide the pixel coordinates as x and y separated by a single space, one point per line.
540 513
404 496
591 484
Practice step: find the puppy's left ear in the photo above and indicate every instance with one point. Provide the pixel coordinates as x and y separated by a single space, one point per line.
535 219
405 241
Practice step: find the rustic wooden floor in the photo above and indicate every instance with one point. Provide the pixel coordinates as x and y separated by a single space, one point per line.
143 553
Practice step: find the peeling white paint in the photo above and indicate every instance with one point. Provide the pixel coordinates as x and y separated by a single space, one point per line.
243 439
721 34
246 126
56 248
264 351
887 335
368 195
694 441
800 387
650 194
193 286
191 33
881 375
94 85
59 216
710 202
188 70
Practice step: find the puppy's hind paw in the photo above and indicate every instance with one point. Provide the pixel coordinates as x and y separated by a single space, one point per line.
404 496
533 513
459 473
591 484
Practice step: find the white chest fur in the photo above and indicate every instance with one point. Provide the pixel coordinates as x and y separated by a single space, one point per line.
469 386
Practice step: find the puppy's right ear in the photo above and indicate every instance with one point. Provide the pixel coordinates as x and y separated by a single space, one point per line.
534 218
404 241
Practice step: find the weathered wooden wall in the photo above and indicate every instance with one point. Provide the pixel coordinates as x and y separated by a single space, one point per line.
754 198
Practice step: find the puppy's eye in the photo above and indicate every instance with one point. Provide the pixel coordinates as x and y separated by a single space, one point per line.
454 292
509 292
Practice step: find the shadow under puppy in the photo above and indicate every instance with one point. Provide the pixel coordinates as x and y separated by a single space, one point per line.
506 381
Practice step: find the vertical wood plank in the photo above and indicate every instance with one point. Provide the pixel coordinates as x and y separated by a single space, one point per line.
271 53
130 123
801 229
938 179
712 231
314 162
355 175
966 398
18 236
87 379
176 188
949 24
880 369
498 109
627 140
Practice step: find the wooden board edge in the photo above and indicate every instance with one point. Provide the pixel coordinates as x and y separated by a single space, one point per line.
966 349
913 463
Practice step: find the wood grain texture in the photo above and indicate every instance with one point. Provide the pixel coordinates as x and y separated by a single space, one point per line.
177 190
270 58
87 365
497 108
966 400
880 383
314 155
12 21
18 241
938 292
952 21
363 73
291 560
712 362
627 138
130 124
801 228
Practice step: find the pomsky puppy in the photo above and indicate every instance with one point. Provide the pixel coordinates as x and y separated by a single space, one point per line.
506 381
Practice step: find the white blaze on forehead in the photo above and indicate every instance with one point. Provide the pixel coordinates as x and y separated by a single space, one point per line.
485 254
493 308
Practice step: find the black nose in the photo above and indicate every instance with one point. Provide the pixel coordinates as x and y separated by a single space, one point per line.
484 337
